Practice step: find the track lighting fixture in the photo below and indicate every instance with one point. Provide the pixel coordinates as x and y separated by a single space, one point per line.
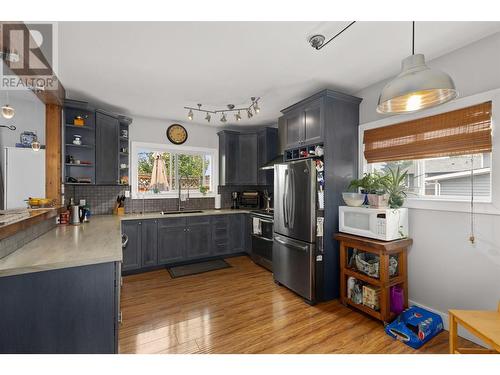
230 108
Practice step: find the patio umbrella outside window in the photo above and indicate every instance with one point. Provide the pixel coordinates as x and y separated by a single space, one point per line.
159 179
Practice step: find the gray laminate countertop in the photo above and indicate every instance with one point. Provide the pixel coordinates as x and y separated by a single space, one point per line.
157 215
98 241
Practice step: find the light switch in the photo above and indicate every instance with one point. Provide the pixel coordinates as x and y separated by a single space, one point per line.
127 193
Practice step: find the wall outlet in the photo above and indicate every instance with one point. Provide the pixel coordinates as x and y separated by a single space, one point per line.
127 194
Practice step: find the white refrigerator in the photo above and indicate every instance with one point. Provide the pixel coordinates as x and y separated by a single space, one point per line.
23 176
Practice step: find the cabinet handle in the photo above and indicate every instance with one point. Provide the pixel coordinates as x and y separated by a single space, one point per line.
120 318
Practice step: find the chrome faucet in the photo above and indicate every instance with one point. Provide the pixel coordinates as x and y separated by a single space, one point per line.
179 186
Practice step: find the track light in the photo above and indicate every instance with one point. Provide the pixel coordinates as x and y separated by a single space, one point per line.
223 117
208 117
238 116
256 107
249 113
190 114
252 109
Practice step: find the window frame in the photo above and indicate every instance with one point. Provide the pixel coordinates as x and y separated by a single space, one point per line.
449 203
175 149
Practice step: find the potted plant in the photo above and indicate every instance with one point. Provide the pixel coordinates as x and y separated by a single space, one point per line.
373 185
395 185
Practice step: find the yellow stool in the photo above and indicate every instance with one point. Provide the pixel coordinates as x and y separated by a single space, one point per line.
482 324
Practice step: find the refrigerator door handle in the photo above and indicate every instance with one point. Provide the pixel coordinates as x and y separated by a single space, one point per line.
290 244
292 194
285 200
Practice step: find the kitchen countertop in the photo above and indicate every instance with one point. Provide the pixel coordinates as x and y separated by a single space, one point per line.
157 215
98 241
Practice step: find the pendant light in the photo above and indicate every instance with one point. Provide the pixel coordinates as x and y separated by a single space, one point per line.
416 87
7 111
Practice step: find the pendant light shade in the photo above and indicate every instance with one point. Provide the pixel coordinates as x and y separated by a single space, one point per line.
415 88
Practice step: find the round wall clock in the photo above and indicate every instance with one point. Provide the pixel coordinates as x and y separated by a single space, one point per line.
177 134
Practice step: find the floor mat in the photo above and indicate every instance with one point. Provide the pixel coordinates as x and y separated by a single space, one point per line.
195 268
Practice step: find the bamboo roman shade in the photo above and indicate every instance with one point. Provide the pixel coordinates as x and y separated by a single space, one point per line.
461 132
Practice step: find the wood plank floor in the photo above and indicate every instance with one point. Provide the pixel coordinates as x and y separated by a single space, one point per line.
241 310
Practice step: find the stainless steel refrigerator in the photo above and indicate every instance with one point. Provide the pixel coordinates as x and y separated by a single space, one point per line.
297 256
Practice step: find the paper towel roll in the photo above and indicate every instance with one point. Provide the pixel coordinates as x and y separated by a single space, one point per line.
217 201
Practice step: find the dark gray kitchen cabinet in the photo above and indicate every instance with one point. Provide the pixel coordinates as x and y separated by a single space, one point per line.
220 235
65 311
304 123
149 243
198 237
107 149
171 240
267 150
132 233
241 154
247 159
294 125
237 233
228 157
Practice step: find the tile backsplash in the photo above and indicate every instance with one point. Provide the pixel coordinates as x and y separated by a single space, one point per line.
102 199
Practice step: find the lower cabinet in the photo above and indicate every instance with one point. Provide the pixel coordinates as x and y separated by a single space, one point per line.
149 243
154 242
198 237
131 231
171 240
64 311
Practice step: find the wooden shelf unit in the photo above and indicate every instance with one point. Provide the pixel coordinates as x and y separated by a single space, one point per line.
383 249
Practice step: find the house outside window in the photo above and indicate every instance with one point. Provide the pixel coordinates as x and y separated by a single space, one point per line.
444 177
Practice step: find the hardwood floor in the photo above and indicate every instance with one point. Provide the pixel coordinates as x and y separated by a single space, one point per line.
241 310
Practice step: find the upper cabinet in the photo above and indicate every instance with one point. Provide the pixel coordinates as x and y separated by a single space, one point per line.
96 145
304 123
107 149
241 154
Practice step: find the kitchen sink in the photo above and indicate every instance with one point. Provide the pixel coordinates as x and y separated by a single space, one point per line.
180 212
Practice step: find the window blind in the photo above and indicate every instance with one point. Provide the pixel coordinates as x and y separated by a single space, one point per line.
460 132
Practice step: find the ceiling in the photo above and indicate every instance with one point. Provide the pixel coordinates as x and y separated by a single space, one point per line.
154 69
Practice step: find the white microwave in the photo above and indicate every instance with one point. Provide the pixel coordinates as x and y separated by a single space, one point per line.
384 224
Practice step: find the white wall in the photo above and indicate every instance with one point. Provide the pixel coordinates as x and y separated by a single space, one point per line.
445 270
144 129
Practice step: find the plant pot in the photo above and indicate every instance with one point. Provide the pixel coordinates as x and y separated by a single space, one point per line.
378 200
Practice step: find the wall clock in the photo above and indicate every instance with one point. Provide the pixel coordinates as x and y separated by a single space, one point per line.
177 134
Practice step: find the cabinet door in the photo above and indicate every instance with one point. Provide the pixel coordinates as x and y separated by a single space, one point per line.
228 158
294 126
107 147
313 124
149 243
171 240
198 237
236 233
247 159
132 251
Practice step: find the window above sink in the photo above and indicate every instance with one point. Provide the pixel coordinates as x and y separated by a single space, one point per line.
156 169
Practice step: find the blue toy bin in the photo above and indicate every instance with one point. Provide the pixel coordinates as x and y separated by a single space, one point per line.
415 326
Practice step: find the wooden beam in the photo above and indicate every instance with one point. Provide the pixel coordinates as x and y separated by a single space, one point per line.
53 152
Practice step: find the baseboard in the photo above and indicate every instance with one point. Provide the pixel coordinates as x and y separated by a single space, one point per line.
461 332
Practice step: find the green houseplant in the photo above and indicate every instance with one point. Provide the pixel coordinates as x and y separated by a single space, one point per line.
373 185
395 185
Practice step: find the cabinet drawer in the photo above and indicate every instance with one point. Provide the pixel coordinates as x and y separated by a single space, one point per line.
198 220
221 247
172 222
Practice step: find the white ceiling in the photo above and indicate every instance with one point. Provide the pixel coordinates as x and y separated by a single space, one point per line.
155 69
